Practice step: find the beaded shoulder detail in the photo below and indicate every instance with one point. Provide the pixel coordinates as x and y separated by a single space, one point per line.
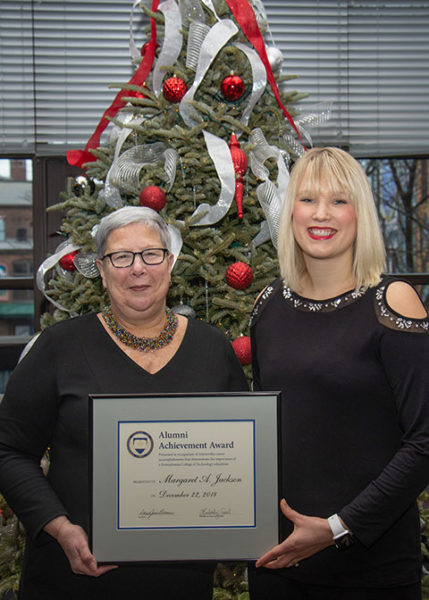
387 317
304 304
262 300
329 305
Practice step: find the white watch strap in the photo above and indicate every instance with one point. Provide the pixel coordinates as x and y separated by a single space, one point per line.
336 526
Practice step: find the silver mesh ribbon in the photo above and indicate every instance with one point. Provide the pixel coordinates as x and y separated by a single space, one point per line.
64 248
263 236
28 346
85 264
270 195
260 14
171 45
110 193
176 241
293 144
135 54
259 77
271 203
118 129
197 34
124 172
211 7
171 157
220 154
314 115
191 10
215 40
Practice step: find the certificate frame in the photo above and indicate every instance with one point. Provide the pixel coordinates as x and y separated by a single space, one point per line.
141 433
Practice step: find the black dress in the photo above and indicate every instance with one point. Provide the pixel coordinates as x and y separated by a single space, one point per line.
46 404
354 377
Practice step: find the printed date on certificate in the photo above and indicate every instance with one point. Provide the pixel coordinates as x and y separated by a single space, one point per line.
180 474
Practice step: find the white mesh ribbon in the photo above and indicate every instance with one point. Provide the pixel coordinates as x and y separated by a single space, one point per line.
171 157
263 235
314 115
135 54
118 128
193 16
124 172
176 241
215 40
50 262
85 264
197 34
260 14
270 195
110 193
171 45
220 154
125 132
210 6
259 77
271 203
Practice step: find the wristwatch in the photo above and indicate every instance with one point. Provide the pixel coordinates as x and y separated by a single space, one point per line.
343 538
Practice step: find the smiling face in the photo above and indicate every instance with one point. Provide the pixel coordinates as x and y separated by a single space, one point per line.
324 223
137 292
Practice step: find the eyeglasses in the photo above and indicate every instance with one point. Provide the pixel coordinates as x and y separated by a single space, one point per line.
150 256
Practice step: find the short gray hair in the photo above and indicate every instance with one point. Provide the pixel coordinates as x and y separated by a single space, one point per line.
126 216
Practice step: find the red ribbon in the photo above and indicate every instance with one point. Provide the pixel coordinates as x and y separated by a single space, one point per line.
245 17
79 157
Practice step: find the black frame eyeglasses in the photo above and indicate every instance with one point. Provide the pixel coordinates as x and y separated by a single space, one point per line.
124 259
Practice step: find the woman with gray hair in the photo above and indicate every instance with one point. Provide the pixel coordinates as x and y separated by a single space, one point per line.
349 349
136 345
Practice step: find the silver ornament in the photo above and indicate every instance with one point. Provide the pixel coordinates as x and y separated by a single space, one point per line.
275 57
185 310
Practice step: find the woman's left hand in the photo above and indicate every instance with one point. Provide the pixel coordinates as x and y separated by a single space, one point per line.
310 535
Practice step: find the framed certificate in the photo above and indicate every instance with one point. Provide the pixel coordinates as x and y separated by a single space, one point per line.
179 477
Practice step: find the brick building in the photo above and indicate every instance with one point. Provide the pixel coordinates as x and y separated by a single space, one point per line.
16 249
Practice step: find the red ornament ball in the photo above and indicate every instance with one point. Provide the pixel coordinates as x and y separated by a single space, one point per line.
153 197
239 276
174 89
232 87
242 349
66 261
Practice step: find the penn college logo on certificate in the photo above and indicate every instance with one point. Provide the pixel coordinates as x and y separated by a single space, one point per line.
140 444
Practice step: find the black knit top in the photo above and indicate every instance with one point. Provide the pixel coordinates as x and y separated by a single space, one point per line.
355 423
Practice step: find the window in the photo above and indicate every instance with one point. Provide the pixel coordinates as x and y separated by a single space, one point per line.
371 58
16 260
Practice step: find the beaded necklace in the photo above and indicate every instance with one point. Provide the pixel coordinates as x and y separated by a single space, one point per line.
142 344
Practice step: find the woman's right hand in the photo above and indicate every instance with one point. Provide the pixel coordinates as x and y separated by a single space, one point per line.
74 542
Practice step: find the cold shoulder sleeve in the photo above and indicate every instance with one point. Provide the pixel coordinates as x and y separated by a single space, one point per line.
404 354
27 421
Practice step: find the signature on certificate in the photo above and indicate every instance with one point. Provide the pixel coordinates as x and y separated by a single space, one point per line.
152 512
214 513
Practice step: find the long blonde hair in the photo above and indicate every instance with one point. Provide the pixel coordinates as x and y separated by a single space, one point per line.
341 172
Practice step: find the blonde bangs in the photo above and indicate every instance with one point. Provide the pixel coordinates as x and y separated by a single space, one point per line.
343 175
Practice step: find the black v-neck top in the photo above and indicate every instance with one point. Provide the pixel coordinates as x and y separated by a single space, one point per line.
354 378
46 405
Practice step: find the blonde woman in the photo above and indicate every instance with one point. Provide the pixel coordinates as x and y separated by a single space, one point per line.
349 349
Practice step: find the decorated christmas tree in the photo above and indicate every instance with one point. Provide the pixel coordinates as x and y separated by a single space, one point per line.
203 133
